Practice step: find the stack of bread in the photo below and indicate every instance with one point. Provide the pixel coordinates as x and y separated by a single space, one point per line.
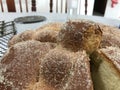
75 55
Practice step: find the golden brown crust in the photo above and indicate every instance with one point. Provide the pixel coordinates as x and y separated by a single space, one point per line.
24 36
64 70
32 65
21 64
48 32
105 75
76 35
46 36
113 55
59 69
56 26
111 36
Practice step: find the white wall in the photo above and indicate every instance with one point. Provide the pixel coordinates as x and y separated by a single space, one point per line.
42 5
112 12
89 7
81 7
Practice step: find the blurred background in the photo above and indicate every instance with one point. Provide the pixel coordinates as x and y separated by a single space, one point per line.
94 7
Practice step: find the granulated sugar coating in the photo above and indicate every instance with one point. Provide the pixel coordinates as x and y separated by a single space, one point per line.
64 70
24 36
113 53
48 32
22 66
56 57
76 35
111 36
46 36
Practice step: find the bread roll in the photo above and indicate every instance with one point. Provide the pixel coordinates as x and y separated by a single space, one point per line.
28 67
24 36
111 36
65 70
46 36
20 65
48 32
76 35
37 64
105 69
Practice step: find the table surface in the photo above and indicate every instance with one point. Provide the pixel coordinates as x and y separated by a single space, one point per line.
53 17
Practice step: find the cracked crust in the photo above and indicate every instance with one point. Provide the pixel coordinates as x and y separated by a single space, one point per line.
111 36
77 35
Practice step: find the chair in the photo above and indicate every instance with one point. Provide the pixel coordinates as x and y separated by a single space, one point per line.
53 6
58 6
62 6
14 5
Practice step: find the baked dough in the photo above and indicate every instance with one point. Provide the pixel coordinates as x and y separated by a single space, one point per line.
48 32
24 36
20 65
84 56
111 36
105 69
77 35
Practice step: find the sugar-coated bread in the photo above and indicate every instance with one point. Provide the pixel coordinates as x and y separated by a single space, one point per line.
27 66
105 69
21 65
48 32
64 70
76 35
76 55
111 36
24 36
46 36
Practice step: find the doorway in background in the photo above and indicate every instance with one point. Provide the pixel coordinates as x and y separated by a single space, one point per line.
99 7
